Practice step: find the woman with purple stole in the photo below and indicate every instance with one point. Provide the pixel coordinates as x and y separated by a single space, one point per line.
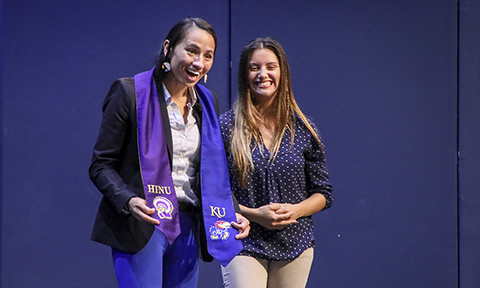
159 162
278 172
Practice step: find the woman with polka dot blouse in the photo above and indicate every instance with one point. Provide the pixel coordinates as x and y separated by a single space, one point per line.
277 172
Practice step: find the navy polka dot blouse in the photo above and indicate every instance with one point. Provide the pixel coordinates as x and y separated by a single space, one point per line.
296 173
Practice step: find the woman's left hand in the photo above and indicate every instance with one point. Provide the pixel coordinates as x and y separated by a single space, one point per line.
307 207
242 225
286 208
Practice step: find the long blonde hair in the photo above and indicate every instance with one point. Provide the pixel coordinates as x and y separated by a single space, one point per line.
248 118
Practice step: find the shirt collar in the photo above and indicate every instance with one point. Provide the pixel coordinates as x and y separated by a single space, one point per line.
191 101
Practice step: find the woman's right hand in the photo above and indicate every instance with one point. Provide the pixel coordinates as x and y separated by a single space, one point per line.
140 210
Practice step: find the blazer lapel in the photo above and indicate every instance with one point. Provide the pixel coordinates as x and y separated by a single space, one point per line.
165 120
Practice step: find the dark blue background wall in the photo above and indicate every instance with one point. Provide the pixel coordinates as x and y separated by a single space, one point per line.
469 143
392 85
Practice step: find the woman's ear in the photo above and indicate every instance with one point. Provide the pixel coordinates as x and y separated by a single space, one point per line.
166 47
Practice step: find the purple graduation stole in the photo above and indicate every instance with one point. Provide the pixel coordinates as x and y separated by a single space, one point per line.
217 206
153 154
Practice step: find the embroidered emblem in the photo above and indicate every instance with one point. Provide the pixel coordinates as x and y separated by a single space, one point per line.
217 211
219 230
164 207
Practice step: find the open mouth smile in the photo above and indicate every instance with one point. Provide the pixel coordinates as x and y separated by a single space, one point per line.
263 84
192 74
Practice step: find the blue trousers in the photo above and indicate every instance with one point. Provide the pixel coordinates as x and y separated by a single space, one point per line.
158 264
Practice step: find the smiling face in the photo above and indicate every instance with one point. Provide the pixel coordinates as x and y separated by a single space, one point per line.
263 75
191 59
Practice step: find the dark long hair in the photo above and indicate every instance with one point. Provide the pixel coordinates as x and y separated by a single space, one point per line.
176 35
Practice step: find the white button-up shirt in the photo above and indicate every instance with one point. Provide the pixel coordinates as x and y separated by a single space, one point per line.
186 147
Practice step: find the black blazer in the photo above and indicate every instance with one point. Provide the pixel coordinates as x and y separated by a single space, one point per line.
115 171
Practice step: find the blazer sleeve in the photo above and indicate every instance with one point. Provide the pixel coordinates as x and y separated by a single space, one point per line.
110 148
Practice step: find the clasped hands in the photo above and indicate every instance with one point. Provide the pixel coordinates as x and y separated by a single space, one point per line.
275 216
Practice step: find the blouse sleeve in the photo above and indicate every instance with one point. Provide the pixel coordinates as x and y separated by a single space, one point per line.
316 170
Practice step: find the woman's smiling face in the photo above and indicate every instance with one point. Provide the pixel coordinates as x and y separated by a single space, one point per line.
192 58
263 75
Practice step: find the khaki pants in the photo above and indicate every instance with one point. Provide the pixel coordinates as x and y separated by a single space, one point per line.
249 272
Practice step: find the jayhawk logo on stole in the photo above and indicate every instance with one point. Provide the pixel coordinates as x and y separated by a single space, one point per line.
219 230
